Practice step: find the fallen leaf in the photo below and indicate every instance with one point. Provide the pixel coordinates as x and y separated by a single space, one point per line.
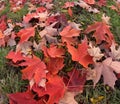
107 68
22 98
3 24
76 81
15 56
49 31
115 53
68 98
104 35
54 65
68 33
25 48
54 82
96 100
68 4
80 54
90 1
102 3
25 34
86 6
105 19
95 52
70 12
35 69
53 51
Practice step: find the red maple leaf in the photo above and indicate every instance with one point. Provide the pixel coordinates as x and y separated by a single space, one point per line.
29 16
90 1
80 54
54 65
25 34
68 33
101 3
41 9
53 51
15 56
76 81
22 98
68 4
35 69
2 23
102 32
61 19
55 88
54 58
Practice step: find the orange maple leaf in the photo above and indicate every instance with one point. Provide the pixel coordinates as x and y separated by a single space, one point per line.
55 88
53 51
25 34
102 32
15 56
90 1
68 33
35 69
54 65
80 54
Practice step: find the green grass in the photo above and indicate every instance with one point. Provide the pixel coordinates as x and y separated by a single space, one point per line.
10 77
85 18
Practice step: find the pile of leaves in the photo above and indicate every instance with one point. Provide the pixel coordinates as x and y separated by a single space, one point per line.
68 57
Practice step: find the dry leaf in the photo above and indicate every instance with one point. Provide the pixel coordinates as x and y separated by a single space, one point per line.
95 52
115 53
68 98
107 68
105 19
